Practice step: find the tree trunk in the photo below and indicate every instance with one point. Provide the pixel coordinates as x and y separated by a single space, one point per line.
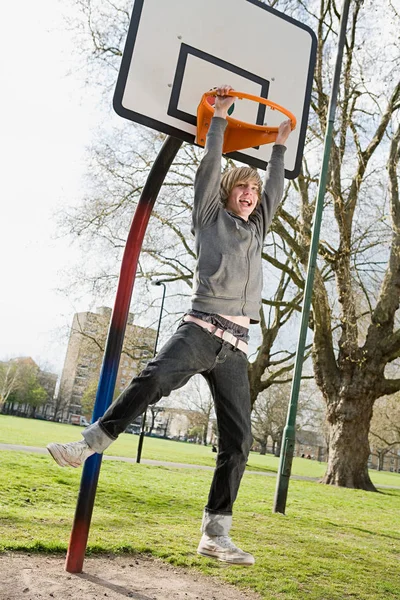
381 456
151 427
263 450
276 446
349 447
205 431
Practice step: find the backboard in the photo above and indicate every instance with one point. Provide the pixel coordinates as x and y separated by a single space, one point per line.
178 49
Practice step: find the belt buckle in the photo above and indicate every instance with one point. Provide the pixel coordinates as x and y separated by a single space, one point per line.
230 338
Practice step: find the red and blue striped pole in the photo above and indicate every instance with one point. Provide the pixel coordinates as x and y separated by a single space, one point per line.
112 353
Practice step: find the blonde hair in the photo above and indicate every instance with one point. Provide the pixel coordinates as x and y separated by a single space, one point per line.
244 174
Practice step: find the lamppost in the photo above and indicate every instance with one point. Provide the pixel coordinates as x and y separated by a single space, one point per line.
143 424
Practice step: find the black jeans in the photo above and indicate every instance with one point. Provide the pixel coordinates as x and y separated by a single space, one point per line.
193 350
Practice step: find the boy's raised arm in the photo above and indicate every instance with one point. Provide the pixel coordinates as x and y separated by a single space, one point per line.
208 176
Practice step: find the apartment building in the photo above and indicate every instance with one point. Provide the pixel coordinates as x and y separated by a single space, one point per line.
85 355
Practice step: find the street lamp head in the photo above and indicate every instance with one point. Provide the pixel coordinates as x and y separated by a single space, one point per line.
157 282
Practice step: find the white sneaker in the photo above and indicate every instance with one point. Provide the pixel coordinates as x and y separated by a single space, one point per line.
72 454
222 548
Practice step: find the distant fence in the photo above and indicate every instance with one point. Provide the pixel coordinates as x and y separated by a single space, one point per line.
390 462
304 450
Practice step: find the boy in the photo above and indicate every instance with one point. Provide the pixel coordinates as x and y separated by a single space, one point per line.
230 219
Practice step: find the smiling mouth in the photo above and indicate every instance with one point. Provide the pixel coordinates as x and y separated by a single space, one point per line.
247 202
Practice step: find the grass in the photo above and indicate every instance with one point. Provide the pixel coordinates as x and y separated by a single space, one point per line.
333 543
29 432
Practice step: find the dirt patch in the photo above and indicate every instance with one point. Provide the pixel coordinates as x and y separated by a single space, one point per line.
34 577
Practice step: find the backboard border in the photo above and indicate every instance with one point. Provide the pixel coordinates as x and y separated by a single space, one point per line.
187 137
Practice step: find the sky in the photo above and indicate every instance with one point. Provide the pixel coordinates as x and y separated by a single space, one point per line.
47 120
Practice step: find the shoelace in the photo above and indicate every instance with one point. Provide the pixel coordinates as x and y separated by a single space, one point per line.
76 448
226 542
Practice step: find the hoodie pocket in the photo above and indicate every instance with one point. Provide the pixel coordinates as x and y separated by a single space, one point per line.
226 280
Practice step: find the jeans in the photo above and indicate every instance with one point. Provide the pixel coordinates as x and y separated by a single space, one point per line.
193 350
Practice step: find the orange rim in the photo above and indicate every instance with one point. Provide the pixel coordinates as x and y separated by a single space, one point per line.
239 134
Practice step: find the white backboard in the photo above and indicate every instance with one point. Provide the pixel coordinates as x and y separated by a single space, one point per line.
178 49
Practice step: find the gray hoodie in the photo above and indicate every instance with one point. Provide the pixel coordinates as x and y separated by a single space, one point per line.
228 273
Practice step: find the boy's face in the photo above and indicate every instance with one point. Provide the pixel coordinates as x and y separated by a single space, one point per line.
243 199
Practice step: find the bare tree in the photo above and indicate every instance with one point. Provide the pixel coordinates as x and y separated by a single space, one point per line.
60 403
8 380
196 398
23 383
269 416
385 427
356 289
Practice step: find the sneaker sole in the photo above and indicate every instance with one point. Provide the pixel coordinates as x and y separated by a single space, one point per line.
58 456
216 556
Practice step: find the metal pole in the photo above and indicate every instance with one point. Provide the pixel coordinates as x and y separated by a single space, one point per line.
143 423
289 437
109 370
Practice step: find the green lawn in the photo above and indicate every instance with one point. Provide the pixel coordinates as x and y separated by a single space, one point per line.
30 432
333 543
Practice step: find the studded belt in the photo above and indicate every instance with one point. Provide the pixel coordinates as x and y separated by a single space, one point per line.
218 332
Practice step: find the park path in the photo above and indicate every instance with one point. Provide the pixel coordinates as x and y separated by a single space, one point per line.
145 461
174 465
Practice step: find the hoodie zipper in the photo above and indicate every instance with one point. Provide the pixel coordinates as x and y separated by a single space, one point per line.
248 269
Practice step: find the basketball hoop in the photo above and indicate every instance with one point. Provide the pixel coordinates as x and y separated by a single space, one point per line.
238 134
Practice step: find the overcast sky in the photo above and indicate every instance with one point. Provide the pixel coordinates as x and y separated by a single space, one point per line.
48 118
